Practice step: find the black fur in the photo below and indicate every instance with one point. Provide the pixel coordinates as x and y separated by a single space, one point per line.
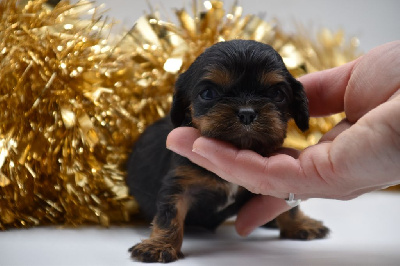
151 183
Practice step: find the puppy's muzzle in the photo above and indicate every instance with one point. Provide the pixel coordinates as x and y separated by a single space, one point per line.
247 115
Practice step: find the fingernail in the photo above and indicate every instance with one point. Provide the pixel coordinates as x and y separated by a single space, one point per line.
245 233
169 147
175 149
197 151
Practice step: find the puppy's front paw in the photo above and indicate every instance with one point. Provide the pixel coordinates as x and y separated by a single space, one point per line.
155 251
307 229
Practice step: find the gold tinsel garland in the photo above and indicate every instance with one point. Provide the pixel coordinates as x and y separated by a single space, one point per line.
72 101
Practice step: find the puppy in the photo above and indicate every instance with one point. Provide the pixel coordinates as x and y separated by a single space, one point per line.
237 91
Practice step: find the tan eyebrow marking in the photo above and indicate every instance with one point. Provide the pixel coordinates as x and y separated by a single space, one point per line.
220 77
271 78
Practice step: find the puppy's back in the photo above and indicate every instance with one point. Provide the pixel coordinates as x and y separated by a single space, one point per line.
148 163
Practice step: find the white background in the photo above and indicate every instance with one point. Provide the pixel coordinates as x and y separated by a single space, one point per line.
365 231
374 22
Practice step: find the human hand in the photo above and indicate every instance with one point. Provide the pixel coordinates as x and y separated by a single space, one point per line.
360 154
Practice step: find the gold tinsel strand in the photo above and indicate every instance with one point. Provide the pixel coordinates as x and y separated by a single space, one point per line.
72 103
168 49
64 132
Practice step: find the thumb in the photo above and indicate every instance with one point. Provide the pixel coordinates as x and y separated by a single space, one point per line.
257 212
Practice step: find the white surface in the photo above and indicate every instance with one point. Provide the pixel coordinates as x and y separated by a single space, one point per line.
365 231
374 22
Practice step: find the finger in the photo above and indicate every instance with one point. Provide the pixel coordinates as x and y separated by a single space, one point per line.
369 148
352 87
277 175
374 80
243 167
257 212
256 173
180 141
326 89
289 151
228 162
182 138
336 130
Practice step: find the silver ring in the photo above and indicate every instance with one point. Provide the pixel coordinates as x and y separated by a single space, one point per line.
291 201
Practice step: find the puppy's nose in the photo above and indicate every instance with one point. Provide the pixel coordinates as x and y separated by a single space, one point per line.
247 115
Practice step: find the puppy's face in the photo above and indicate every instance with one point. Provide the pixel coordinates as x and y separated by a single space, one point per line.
240 92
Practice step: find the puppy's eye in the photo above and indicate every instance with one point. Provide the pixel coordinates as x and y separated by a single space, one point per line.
208 94
277 95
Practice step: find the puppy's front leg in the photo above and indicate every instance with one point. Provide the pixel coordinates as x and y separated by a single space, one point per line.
165 242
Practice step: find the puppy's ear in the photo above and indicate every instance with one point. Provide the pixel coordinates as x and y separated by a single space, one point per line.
299 106
180 113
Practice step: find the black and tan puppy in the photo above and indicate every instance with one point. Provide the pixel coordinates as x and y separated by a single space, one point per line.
237 91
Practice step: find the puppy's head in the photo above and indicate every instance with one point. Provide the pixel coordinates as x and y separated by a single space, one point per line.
240 92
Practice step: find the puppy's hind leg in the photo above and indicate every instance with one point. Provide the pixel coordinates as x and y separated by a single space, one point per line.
293 224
